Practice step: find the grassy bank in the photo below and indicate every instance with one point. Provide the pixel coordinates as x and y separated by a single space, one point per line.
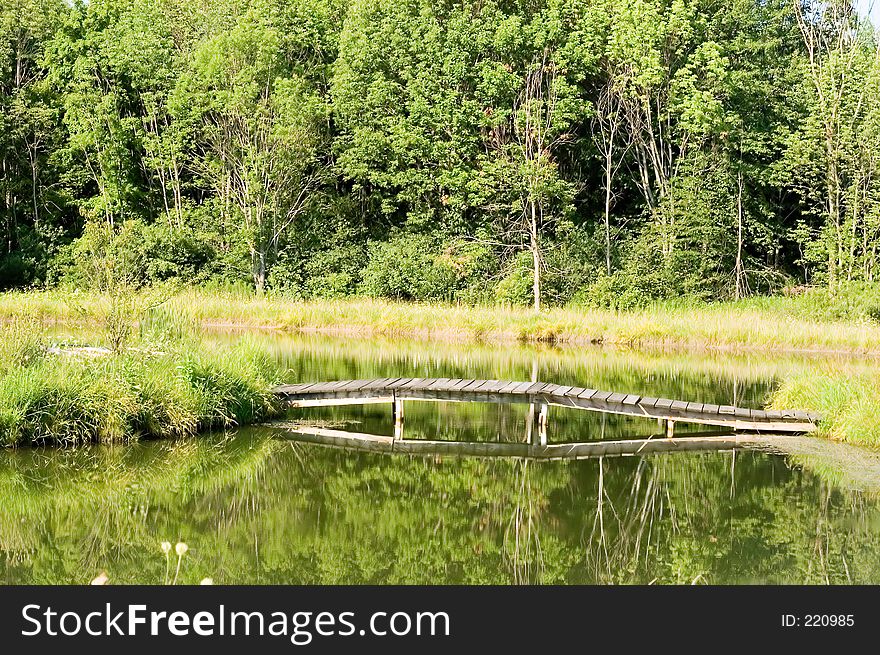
773 324
67 394
848 402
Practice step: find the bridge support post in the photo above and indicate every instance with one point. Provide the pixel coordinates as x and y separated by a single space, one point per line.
397 415
670 429
542 424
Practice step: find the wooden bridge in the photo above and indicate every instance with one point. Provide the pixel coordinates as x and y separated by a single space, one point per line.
542 395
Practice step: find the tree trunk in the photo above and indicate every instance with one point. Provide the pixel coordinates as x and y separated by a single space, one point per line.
258 259
739 273
608 172
536 258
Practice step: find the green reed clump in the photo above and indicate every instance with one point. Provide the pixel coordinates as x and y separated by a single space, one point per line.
70 397
848 402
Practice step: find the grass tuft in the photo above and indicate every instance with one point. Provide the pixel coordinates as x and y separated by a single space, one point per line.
849 403
68 399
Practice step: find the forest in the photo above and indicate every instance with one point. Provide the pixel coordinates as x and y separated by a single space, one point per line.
538 152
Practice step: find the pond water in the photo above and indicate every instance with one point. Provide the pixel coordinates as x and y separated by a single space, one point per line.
255 506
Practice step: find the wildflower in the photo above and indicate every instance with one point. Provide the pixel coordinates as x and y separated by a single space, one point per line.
181 548
166 547
207 581
102 579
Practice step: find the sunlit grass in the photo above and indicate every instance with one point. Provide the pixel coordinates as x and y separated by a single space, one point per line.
848 402
763 324
64 396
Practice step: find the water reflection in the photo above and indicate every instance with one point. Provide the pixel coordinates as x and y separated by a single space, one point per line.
257 508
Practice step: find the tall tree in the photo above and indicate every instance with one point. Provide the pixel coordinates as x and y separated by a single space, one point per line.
259 129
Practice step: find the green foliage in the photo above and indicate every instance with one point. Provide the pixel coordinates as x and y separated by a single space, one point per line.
288 144
408 267
134 255
515 287
75 395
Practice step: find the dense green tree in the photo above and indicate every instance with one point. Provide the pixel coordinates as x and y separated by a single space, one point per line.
504 150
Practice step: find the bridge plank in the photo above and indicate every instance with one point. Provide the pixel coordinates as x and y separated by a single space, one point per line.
341 392
376 384
297 388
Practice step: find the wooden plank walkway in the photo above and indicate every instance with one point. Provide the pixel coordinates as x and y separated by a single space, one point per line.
394 390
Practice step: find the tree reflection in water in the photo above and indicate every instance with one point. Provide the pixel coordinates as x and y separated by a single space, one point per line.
255 508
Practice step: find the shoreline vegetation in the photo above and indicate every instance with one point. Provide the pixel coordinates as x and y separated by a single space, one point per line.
776 325
165 381
158 385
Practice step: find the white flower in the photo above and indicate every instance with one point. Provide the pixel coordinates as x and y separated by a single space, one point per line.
102 579
166 547
207 581
180 548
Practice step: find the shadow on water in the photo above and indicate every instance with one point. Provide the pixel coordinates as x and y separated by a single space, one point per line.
255 507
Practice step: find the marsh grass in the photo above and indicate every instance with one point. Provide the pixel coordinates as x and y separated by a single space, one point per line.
848 402
141 392
777 324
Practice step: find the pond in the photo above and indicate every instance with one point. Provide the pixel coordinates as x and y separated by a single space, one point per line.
256 506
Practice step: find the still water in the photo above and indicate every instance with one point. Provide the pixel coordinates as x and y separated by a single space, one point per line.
254 506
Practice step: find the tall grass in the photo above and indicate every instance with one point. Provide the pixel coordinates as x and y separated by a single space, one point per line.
778 324
848 402
68 397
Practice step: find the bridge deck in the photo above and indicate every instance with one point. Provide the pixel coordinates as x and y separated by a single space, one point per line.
344 392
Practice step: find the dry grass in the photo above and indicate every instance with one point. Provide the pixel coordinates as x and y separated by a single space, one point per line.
742 326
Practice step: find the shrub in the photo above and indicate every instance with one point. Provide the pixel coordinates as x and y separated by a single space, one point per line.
408 267
134 255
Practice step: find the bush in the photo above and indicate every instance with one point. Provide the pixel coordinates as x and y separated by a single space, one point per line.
134 255
515 287
332 273
408 267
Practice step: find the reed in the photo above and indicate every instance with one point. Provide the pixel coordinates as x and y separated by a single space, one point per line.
759 324
66 396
